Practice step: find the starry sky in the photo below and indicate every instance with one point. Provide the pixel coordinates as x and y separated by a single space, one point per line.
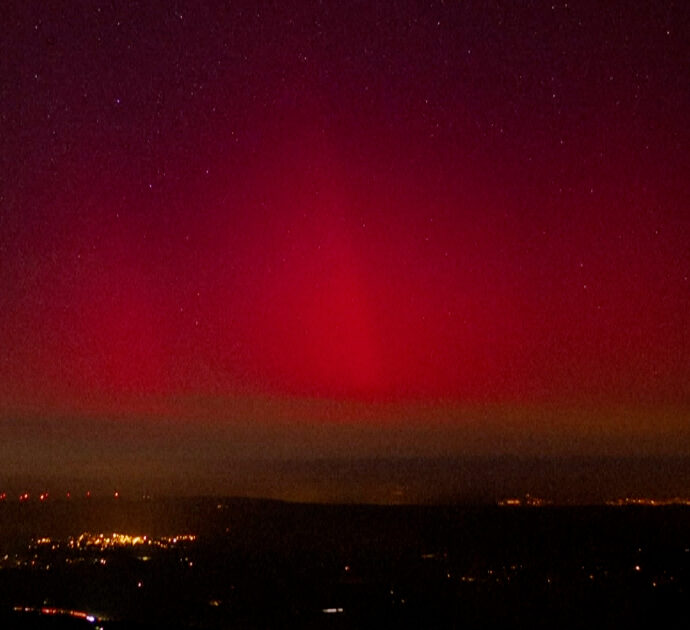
304 229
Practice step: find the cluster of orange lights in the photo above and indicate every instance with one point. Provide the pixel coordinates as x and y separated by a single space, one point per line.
532 501
44 496
526 500
109 541
647 501
78 614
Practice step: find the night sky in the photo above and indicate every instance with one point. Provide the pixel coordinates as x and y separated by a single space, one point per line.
303 229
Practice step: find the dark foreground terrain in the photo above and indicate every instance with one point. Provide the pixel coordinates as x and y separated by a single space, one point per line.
225 563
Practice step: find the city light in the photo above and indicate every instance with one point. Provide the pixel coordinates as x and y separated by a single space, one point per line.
115 540
59 612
